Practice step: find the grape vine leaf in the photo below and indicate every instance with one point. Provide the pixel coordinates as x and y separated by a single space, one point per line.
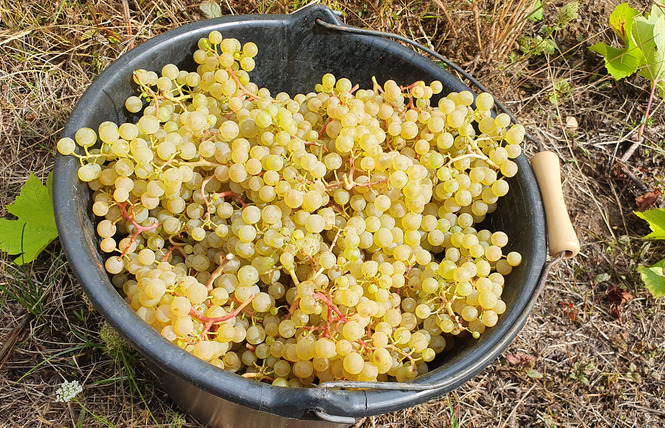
649 35
34 227
656 219
623 62
653 278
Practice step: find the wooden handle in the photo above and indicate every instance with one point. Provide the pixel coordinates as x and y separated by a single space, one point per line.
561 235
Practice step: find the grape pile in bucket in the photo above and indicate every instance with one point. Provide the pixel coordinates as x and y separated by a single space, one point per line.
298 240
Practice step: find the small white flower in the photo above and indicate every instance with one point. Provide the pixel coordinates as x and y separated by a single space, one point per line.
68 391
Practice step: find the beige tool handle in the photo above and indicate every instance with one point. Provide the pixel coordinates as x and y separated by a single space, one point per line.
561 235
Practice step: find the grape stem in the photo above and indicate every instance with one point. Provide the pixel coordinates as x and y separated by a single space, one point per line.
244 309
294 277
293 308
411 86
139 229
452 314
171 249
377 88
364 345
323 298
240 85
349 182
234 195
323 128
401 351
210 321
326 330
380 90
332 244
223 260
473 156
258 376
311 260
194 164
154 97
408 89
203 196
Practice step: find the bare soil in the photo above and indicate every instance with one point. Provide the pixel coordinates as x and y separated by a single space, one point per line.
592 352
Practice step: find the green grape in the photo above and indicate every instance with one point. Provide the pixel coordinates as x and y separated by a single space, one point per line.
352 331
515 135
66 146
484 101
85 137
215 37
182 326
513 258
469 313
508 168
181 306
196 293
422 311
303 369
490 318
114 265
353 363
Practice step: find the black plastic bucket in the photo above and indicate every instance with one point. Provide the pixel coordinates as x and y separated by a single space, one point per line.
294 53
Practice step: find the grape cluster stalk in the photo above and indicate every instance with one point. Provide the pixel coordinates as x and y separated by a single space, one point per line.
298 240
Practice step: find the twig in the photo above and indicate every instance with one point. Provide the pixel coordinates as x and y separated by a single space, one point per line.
450 21
125 10
11 338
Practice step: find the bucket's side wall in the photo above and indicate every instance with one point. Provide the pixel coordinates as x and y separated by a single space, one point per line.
216 412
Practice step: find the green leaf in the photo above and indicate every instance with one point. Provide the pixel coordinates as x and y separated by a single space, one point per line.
211 9
649 35
653 278
656 219
621 21
34 227
620 63
536 12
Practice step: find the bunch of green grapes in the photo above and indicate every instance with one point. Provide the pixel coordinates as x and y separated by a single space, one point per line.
297 240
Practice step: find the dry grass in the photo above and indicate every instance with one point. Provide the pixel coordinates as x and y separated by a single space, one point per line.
574 365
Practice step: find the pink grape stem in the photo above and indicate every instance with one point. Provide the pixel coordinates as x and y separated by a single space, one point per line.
322 132
240 85
234 195
210 321
139 229
323 298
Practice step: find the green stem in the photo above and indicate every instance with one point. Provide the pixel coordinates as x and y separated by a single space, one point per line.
99 418
132 380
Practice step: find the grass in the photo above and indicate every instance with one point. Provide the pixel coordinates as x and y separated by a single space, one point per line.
575 364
